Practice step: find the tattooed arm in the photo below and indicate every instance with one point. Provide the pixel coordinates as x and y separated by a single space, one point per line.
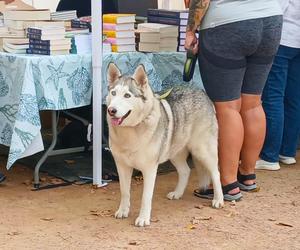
197 11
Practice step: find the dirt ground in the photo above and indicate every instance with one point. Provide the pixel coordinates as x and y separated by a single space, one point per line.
80 217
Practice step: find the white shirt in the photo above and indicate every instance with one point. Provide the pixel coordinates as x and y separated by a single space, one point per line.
228 11
291 23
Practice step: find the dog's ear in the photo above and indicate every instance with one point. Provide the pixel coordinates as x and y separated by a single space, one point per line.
113 73
140 76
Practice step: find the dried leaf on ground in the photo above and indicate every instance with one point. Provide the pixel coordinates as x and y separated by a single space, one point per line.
202 218
199 206
154 220
284 224
133 243
47 219
102 213
271 219
191 227
256 190
13 233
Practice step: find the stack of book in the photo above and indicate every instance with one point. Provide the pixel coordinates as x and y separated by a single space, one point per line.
171 17
21 15
71 32
15 45
82 23
81 39
48 41
155 37
119 29
15 22
66 16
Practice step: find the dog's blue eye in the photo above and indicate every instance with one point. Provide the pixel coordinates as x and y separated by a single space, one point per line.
113 93
127 95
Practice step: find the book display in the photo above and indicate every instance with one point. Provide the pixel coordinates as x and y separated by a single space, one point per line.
119 30
38 31
155 37
179 18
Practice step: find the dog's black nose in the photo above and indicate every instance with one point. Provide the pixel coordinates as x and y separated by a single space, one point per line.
112 111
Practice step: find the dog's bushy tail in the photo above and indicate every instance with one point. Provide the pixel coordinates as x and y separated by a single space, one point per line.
204 176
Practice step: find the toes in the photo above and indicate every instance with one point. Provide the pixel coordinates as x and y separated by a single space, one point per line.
122 213
174 196
142 221
218 203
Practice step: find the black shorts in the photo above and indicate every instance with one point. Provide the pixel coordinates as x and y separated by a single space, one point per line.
236 58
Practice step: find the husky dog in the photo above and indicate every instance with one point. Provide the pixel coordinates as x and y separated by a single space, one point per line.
145 131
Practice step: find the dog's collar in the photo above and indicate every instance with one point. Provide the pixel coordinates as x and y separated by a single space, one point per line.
165 95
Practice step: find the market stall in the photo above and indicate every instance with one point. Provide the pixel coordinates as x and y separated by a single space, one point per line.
30 84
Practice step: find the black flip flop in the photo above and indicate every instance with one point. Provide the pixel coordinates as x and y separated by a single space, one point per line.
209 193
246 187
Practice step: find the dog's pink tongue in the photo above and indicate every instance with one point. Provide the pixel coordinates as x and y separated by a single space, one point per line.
116 121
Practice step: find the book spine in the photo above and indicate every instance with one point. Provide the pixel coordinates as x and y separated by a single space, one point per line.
152 12
38 51
34 36
109 26
109 19
110 33
183 22
170 14
79 26
182 35
114 48
181 49
34 31
182 28
39 42
111 40
164 20
39 47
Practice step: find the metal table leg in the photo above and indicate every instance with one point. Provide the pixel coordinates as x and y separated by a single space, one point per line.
48 151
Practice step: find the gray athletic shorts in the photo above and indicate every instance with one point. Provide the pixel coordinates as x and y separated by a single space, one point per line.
236 58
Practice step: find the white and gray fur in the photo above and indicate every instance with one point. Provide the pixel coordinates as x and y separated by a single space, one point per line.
159 130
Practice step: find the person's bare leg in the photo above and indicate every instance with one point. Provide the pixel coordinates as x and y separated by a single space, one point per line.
254 121
231 134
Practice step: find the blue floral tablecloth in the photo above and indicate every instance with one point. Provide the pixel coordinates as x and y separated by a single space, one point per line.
29 84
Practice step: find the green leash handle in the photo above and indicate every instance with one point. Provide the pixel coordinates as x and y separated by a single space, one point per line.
189 66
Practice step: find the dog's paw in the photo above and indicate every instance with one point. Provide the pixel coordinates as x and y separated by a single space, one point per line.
217 203
122 213
142 221
174 195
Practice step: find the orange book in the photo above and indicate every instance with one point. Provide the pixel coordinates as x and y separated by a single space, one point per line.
118 34
123 48
118 18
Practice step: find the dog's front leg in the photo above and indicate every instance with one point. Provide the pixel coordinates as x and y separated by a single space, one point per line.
149 176
125 175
